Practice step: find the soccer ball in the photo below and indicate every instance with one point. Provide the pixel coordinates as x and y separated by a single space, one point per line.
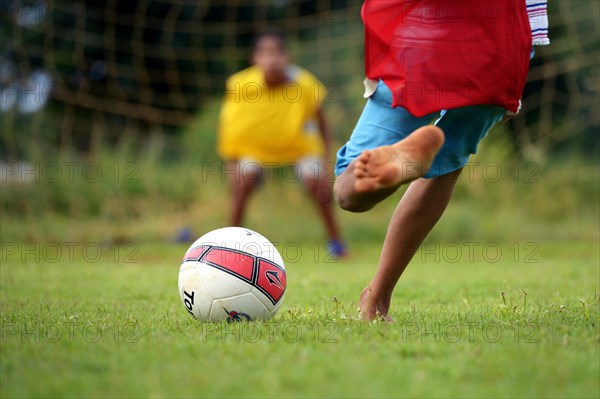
232 274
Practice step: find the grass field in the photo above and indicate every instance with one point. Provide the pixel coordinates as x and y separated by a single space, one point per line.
87 326
503 300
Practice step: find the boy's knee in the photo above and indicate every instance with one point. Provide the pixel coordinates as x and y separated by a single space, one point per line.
348 204
354 207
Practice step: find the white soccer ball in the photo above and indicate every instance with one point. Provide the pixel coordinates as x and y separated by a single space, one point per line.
232 274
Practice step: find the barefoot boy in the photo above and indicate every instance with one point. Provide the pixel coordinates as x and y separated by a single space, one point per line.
462 64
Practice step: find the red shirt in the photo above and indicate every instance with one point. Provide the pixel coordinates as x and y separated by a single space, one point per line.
444 54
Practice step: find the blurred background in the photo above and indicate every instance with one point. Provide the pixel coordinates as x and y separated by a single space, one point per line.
108 112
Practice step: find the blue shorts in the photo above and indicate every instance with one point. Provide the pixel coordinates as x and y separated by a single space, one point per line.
380 124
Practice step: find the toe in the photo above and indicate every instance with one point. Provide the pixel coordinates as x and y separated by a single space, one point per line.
364 156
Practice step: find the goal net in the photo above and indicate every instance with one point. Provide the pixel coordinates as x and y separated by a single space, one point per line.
81 73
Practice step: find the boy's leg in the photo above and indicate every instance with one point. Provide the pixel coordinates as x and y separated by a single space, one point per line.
246 176
425 201
418 211
314 176
378 172
320 192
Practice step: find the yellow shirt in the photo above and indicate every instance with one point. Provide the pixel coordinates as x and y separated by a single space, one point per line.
270 123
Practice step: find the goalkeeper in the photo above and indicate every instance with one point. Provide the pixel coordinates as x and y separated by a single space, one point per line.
272 117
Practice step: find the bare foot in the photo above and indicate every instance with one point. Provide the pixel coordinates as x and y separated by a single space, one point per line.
392 165
371 308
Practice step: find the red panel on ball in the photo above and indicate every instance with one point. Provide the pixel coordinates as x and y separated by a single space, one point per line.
194 253
236 262
271 279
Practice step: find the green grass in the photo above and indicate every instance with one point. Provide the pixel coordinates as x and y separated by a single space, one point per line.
100 328
503 300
